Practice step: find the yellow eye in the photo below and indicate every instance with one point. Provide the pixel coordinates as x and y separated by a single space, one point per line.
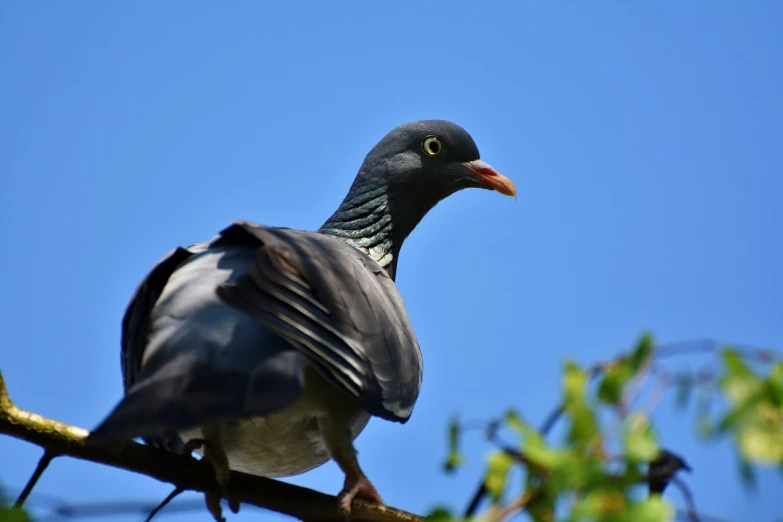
432 146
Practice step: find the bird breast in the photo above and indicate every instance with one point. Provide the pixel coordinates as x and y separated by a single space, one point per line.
288 442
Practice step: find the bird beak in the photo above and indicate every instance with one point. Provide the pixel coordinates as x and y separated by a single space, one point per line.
492 178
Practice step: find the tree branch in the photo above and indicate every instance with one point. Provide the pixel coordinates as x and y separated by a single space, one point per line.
185 472
505 513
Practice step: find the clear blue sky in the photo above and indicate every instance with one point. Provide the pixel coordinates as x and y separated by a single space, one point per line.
646 142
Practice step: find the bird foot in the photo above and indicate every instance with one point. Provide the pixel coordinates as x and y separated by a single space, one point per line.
360 487
217 458
213 497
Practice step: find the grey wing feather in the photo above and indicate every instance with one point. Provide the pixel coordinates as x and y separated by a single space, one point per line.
135 323
339 308
188 358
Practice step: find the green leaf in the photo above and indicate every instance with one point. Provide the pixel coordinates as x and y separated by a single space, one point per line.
542 506
536 450
452 462
583 430
738 381
600 505
583 425
755 415
10 514
654 509
619 373
514 421
633 474
761 444
439 514
454 458
616 377
575 381
735 365
578 472
640 444
739 416
642 352
775 383
499 465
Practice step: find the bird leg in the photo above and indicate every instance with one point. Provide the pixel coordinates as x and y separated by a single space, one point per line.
356 485
216 456
337 436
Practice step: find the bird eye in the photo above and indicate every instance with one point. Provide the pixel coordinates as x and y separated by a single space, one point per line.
432 146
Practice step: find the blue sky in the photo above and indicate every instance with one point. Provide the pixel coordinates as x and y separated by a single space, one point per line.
646 142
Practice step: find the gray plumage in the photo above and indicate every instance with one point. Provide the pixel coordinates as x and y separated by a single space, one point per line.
340 309
297 298
278 345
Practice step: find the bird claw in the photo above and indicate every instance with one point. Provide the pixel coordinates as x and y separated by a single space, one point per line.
216 457
194 444
212 499
233 504
358 488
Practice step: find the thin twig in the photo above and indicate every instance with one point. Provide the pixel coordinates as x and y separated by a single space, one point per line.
693 515
118 508
699 346
635 387
662 382
171 496
478 496
514 507
44 461
551 419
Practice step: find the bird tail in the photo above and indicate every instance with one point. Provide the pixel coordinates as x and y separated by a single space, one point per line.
163 406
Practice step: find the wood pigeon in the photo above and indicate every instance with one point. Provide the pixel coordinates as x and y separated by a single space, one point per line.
268 349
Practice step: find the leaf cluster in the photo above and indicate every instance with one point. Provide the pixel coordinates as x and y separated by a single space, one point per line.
577 477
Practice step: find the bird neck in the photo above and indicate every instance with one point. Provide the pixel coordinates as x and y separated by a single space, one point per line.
372 219
380 211
364 220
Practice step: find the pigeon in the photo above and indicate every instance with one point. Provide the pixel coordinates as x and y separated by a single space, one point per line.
267 350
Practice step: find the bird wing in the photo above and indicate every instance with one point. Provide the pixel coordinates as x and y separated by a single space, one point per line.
188 358
338 307
135 322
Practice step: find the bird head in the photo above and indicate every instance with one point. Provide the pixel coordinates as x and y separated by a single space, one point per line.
402 178
430 160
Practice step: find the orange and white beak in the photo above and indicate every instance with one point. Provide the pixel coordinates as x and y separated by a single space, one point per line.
490 177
